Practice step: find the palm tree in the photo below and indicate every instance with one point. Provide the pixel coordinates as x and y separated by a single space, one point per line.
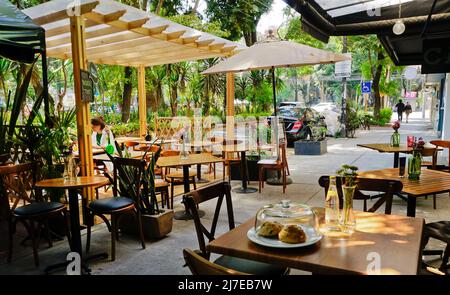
155 77
212 85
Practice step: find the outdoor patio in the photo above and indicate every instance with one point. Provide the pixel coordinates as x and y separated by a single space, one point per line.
165 256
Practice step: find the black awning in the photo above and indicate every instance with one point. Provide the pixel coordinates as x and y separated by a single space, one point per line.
20 38
325 18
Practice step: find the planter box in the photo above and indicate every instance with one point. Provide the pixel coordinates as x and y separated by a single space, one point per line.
154 226
252 165
310 148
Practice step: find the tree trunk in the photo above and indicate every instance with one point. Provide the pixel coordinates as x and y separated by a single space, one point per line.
376 85
159 6
173 100
126 97
194 9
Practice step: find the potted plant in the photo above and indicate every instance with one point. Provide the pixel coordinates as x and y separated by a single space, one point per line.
315 144
252 167
348 175
156 222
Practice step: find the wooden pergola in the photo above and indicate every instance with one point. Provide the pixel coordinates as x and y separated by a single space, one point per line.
112 33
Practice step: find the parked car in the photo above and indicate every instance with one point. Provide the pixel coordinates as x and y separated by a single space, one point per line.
325 106
291 104
296 121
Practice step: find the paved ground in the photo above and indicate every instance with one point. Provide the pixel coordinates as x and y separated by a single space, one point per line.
165 256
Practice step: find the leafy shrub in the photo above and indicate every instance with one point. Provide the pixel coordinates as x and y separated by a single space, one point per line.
122 129
385 117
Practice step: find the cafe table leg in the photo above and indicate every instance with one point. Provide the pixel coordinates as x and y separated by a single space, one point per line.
411 207
244 189
185 214
75 229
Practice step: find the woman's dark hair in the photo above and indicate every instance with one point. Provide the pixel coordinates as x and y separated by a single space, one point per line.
98 121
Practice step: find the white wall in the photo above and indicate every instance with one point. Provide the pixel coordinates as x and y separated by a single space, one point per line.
446 125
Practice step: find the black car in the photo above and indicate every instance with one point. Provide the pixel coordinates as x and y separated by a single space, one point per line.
297 120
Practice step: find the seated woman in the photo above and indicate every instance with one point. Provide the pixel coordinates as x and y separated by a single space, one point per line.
102 137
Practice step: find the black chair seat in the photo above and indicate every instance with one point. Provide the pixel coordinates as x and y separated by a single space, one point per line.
38 208
110 204
439 230
250 266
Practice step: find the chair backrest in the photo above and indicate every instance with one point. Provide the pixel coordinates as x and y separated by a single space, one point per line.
430 152
219 191
283 154
4 158
169 153
444 144
385 186
128 178
200 266
18 181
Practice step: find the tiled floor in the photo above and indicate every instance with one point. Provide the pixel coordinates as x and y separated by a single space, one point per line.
165 256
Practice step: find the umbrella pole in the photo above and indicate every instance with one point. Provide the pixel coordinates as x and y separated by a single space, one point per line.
275 119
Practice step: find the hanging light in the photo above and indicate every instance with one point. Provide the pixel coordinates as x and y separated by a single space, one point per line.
399 26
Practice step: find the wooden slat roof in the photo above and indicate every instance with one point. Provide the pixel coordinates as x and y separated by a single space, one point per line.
118 34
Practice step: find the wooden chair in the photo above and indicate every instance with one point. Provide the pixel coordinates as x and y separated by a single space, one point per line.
221 192
18 181
279 165
439 231
429 152
387 188
446 145
4 159
426 153
131 144
200 266
176 178
130 172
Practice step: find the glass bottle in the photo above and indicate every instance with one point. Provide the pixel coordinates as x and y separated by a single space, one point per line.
347 220
395 139
332 207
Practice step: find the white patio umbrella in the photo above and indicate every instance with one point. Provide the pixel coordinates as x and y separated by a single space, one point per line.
274 53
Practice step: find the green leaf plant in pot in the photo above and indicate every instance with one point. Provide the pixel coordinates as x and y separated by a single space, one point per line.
348 175
156 221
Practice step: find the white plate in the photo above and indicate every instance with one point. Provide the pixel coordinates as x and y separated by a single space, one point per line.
311 238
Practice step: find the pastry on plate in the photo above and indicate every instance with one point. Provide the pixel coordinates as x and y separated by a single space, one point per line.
292 234
269 229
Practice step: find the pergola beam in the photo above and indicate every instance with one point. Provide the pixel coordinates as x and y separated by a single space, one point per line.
55 11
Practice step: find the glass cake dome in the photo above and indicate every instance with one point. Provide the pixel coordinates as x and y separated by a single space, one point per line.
287 221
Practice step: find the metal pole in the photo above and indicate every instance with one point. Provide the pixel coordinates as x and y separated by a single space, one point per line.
344 94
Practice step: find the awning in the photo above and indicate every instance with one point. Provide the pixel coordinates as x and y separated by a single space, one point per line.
325 18
20 38
118 34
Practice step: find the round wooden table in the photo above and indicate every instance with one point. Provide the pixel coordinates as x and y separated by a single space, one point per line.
73 186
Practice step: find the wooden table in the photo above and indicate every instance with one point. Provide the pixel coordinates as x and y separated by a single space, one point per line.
192 159
240 148
198 147
430 182
73 186
387 148
397 239
105 157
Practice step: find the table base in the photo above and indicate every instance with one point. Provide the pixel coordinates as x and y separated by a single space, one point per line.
185 215
247 190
